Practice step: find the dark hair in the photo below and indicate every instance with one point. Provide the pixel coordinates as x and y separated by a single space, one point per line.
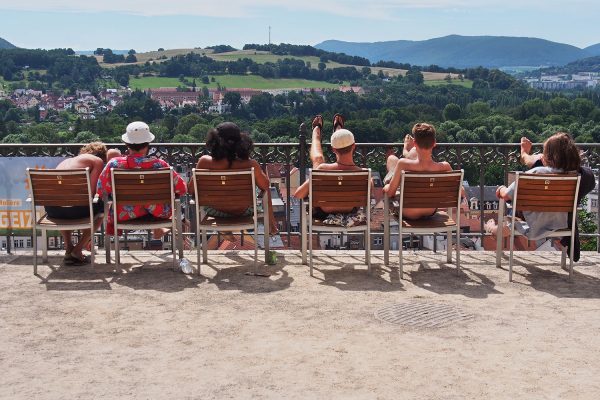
137 146
97 149
561 152
226 141
424 135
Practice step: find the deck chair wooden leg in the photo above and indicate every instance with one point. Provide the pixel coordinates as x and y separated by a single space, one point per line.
117 250
449 246
303 232
310 250
93 252
563 259
44 246
571 255
368 250
35 246
174 243
499 235
510 258
266 237
386 231
400 253
204 247
198 246
458 249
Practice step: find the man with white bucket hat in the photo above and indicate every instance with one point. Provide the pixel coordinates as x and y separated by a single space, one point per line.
137 138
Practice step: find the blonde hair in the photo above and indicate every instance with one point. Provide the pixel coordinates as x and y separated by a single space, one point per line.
97 149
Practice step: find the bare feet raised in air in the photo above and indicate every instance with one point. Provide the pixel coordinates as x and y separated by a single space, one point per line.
492 228
317 125
338 122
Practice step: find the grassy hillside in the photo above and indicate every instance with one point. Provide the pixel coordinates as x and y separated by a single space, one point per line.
231 81
441 82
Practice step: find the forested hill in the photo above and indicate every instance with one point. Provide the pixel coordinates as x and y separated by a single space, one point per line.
4 44
464 51
593 50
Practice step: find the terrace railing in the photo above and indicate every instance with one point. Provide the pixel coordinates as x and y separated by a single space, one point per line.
484 163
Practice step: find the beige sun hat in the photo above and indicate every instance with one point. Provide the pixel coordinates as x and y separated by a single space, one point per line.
137 132
342 138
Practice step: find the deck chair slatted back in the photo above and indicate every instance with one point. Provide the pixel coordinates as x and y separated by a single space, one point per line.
134 187
233 189
340 189
434 190
546 193
428 190
216 188
543 193
60 187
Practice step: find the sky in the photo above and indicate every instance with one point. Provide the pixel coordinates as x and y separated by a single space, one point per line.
149 24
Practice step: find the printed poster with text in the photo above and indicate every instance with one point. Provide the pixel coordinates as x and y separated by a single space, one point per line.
15 212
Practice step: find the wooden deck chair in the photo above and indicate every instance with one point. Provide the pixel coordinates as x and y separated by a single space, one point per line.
60 187
345 189
541 193
439 190
233 188
145 186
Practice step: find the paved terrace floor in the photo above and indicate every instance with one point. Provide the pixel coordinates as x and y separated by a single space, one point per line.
154 333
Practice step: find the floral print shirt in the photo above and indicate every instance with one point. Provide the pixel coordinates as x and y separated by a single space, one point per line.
136 161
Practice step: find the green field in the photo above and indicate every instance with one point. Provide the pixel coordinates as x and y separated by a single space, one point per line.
441 82
231 81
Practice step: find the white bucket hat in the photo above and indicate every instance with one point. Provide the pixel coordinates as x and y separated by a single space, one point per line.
342 138
137 132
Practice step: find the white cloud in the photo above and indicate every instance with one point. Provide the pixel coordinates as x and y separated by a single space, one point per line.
369 9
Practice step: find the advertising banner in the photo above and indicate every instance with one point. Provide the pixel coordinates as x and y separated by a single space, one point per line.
15 212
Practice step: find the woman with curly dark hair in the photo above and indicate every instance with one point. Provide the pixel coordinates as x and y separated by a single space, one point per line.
230 149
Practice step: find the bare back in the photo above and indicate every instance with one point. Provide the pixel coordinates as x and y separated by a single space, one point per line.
425 164
90 161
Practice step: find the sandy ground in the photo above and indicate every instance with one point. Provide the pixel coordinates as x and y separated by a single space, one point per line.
156 334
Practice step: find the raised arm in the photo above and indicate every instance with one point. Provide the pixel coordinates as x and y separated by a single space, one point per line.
526 157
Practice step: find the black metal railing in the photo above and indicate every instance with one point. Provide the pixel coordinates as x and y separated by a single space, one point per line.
484 163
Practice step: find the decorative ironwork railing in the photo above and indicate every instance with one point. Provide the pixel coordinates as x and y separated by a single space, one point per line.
484 163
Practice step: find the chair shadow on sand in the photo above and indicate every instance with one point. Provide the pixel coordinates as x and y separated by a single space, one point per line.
350 273
543 273
235 272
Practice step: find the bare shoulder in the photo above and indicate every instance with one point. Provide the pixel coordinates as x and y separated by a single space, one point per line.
204 162
326 167
445 166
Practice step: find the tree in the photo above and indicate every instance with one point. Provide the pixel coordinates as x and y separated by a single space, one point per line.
452 112
322 66
234 99
414 76
130 58
131 52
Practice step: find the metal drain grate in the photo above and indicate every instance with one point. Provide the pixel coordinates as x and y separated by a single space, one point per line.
423 315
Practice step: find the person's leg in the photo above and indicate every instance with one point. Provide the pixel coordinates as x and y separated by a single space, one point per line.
67 239
316 150
84 240
492 228
409 150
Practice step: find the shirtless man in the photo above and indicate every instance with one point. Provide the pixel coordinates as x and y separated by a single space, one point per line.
417 152
342 144
92 156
